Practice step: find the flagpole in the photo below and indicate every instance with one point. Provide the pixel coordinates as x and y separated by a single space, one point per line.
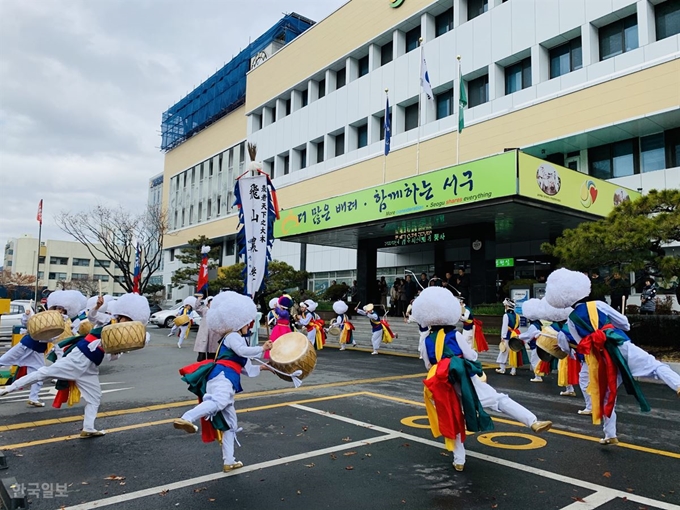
460 84
37 266
420 96
384 123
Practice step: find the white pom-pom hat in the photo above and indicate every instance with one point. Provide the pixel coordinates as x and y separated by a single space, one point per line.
340 307
436 306
550 313
310 304
532 309
191 301
205 250
72 301
133 306
229 312
564 288
273 302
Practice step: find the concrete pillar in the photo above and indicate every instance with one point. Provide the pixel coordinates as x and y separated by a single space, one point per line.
590 44
646 23
374 57
367 269
482 263
280 108
427 27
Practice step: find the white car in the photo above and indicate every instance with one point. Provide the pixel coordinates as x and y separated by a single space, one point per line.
13 318
165 318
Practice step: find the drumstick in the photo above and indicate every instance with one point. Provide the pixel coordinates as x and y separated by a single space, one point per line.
295 376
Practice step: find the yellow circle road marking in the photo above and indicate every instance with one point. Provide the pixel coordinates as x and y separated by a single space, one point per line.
410 421
534 442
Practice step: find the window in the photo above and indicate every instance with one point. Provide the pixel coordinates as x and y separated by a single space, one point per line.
411 117
288 106
172 254
673 147
9 263
340 78
200 212
304 96
476 8
566 58
362 136
102 263
339 144
219 204
322 88
274 113
363 66
210 168
209 210
412 39
231 247
320 151
518 76
443 23
59 261
80 276
386 53
57 276
478 91
303 158
612 160
101 277
618 37
667 18
444 104
286 164
652 153
81 262
41 275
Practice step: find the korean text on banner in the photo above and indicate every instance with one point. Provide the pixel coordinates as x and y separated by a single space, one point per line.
254 208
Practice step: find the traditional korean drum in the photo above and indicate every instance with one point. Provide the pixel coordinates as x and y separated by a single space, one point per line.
181 320
85 327
123 337
547 342
334 330
291 352
44 326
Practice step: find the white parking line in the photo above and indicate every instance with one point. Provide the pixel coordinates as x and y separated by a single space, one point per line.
592 501
607 492
115 500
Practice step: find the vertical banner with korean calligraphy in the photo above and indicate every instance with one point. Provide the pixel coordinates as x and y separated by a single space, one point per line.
256 215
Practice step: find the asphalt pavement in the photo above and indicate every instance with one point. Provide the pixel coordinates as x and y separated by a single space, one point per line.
352 436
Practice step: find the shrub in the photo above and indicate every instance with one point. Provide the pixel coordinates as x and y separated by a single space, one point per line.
655 330
489 309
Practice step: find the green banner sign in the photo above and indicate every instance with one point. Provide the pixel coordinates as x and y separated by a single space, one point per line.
505 262
468 183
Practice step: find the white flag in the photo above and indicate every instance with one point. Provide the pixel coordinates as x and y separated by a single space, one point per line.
424 77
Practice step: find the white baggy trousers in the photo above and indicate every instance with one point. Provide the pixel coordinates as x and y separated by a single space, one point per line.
22 356
219 397
74 367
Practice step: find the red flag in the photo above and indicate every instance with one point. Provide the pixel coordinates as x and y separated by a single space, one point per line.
39 217
202 284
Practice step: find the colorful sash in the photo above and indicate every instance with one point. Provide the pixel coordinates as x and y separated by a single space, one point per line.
479 343
347 333
387 335
605 361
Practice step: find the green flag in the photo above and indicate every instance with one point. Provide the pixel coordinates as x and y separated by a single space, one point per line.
462 102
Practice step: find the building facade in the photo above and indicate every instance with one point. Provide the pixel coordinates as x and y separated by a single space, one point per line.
591 88
155 201
61 263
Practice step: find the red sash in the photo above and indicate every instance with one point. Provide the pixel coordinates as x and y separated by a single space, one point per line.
607 370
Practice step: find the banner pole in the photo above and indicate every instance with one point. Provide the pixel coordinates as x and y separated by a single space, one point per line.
37 268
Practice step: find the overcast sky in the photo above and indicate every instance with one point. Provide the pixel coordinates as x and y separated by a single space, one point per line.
83 85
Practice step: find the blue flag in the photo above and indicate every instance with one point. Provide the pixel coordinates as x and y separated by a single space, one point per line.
388 127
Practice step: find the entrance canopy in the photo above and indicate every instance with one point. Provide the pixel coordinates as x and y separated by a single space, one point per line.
523 197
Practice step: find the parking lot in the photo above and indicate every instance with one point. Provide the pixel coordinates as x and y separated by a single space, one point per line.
354 435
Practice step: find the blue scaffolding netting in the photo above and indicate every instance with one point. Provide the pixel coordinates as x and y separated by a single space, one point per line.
225 90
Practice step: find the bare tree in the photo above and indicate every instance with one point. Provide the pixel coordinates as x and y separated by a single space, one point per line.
110 234
88 286
12 281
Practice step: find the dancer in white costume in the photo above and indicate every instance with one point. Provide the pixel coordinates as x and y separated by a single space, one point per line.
446 348
189 305
217 381
599 333
376 325
81 364
531 309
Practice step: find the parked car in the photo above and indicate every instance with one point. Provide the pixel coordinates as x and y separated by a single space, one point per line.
165 318
13 318
155 308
